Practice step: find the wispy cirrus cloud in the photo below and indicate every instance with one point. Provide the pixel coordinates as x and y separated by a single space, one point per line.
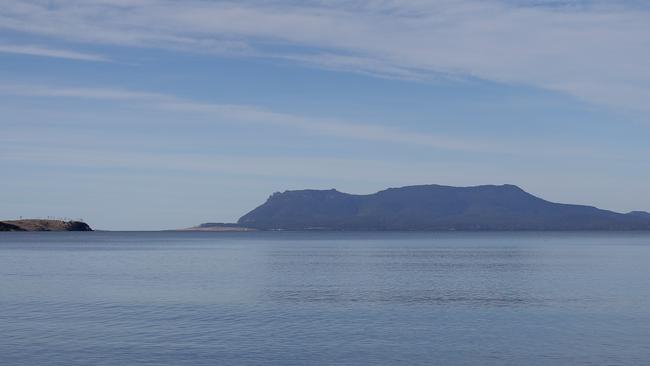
41 51
255 115
81 92
592 50
320 126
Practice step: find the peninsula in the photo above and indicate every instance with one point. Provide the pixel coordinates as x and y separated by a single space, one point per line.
217 226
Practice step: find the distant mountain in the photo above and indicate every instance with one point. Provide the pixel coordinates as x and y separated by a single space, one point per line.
43 225
640 214
432 207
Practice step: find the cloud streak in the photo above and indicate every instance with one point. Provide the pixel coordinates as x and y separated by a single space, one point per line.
254 115
41 51
250 115
592 51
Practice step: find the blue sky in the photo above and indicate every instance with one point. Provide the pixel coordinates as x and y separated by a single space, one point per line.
154 114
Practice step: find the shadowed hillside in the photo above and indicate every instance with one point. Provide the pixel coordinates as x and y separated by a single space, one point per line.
433 207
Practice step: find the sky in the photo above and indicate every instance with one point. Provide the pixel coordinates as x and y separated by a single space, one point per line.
157 114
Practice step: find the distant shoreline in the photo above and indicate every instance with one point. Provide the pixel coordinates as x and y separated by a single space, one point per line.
31 225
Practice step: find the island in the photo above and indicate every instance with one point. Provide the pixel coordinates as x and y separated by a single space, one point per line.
43 225
432 208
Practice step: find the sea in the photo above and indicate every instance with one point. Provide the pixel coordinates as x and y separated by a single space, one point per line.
325 298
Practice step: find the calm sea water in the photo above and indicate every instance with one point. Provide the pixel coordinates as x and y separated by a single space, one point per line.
109 298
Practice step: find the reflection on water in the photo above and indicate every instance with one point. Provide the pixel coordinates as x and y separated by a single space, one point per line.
398 272
394 296
324 298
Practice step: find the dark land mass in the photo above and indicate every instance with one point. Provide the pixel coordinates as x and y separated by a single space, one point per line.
432 208
43 225
218 226
640 214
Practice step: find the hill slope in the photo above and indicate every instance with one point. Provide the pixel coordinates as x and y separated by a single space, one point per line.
432 207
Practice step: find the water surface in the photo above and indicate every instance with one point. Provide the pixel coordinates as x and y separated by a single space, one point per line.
165 298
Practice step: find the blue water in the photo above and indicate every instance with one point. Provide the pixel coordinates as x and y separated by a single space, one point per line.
277 298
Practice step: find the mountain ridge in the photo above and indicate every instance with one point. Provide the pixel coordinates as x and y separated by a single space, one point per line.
430 208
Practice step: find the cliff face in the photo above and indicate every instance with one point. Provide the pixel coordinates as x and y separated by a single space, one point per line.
9 227
43 225
432 207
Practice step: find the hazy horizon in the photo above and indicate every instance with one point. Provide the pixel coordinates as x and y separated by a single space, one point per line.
144 115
